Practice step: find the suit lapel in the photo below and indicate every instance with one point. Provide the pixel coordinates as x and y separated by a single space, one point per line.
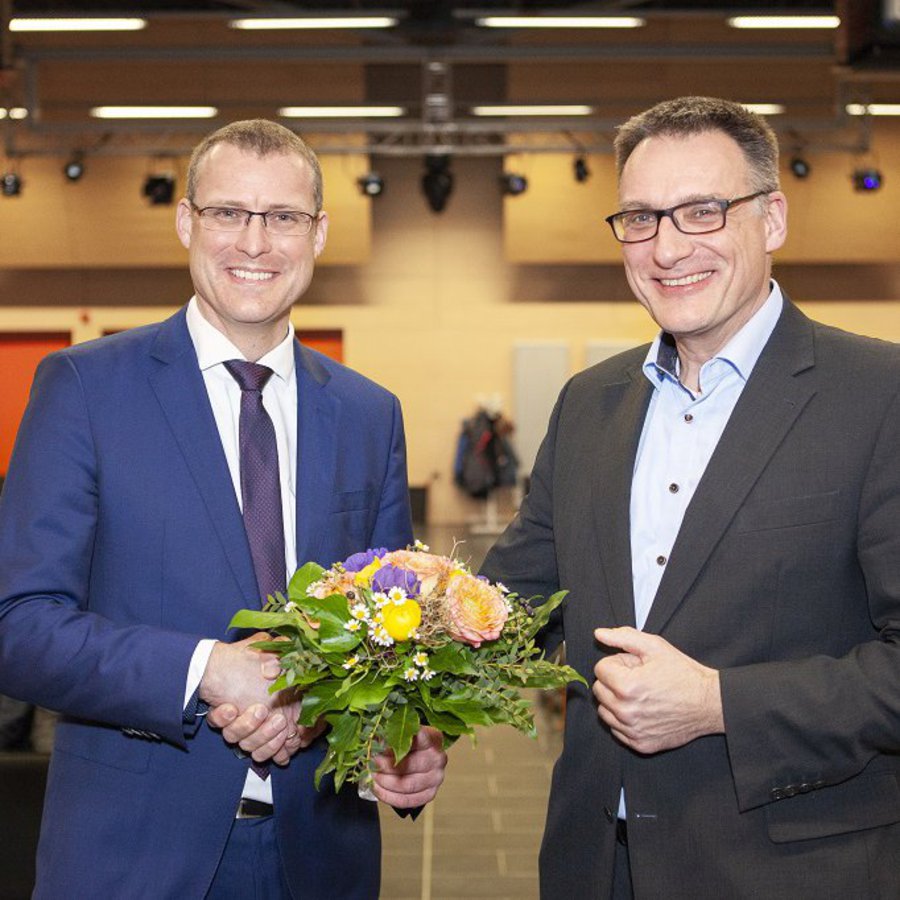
317 424
621 411
770 403
179 388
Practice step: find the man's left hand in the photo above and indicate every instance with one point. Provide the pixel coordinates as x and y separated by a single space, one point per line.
415 780
651 695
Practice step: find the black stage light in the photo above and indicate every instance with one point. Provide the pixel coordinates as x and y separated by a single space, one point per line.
513 184
866 179
74 168
11 184
800 167
437 182
159 189
582 172
371 185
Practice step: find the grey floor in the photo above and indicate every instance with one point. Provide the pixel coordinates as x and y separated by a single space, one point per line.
480 837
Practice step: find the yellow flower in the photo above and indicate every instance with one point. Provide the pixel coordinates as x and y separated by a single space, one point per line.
402 619
364 576
476 610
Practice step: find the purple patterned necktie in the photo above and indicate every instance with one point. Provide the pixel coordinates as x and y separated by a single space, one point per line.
260 487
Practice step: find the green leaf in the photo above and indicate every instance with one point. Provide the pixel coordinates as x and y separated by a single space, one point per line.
302 579
263 621
368 692
446 722
542 613
469 711
400 730
319 699
452 658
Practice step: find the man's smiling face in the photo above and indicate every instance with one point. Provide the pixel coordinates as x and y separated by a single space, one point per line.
247 281
701 288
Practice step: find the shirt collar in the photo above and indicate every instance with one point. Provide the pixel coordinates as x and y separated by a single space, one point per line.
213 348
741 352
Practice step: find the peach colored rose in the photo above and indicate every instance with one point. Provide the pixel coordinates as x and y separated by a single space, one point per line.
431 570
476 609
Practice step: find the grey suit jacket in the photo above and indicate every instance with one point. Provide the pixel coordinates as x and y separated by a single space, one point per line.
785 576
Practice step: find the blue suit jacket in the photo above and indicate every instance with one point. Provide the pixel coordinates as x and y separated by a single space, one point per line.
121 545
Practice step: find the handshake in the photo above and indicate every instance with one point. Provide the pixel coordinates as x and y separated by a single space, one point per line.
235 685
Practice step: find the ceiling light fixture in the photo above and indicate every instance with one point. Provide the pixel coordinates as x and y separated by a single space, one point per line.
74 168
341 112
85 23
765 109
581 170
873 109
11 184
784 21
437 182
371 184
314 22
154 112
800 167
545 109
559 22
513 184
159 189
866 180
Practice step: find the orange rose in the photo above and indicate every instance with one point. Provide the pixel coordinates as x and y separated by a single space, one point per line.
476 610
431 570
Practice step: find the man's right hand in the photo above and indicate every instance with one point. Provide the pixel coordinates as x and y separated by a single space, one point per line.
235 684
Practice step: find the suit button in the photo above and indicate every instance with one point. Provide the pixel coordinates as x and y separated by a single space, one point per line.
791 790
609 814
817 785
805 788
777 794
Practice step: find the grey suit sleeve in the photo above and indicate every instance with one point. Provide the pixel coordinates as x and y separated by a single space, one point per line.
797 726
524 557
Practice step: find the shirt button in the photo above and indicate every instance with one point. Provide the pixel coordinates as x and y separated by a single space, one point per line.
660 560
688 418
673 488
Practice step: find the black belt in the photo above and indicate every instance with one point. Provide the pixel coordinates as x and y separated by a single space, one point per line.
253 809
622 832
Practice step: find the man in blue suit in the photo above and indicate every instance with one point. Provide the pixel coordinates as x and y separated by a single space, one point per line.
124 555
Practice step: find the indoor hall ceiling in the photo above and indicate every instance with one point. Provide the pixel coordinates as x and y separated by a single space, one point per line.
188 54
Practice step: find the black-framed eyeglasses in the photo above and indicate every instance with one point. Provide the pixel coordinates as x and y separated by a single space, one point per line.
694 217
288 222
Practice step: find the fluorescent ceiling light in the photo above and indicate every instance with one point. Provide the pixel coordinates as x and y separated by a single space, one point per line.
559 22
765 109
315 22
14 112
784 21
555 109
873 109
154 112
76 24
340 112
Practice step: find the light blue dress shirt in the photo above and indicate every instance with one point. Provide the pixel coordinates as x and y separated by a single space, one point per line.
680 433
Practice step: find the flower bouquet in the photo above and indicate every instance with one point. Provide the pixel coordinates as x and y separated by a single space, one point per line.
384 642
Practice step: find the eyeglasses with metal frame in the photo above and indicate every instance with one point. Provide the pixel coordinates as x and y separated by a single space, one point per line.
633 226
286 222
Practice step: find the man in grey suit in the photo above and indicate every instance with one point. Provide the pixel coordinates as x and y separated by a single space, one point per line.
725 506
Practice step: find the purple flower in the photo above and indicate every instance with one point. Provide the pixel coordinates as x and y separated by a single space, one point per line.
389 576
359 561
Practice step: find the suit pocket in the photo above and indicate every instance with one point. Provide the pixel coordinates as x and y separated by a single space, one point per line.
347 501
788 512
870 800
103 744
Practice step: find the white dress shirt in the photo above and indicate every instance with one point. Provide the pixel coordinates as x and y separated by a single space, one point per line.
280 402
680 434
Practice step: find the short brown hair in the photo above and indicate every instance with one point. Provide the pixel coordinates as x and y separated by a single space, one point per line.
685 116
262 137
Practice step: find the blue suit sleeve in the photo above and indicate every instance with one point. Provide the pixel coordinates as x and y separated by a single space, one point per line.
54 650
